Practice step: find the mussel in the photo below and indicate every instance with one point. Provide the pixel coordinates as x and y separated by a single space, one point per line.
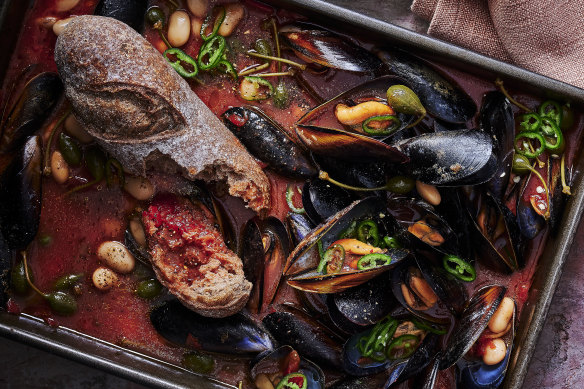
475 318
237 334
130 12
315 44
267 141
451 158
33 107
306 336
441 97
322 199
284 361
20 196
370 211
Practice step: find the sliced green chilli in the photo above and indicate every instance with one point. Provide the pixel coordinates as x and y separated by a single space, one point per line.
524 146
371 261
459 268
182 58
393 124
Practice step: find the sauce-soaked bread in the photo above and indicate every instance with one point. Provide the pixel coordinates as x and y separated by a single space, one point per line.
190 258
145 114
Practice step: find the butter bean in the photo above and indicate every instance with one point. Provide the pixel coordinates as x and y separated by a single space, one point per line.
66 5
76 130
196 25
104 278
263 382
500 319
428 192
59 167
116 256
139 188
494 352
179 28
60 25
198 8
233 15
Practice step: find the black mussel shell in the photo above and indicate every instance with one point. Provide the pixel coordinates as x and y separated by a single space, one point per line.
401 371
315 44
502 252
267 141
321 200
20 196
496 119
368 382
130 12
33 107
359 174
448 288
305 335
477 375
451 208
361 306
272 363
471 324
299 226
236 334
442 98
451 158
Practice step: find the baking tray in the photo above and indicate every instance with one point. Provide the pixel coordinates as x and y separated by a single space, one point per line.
153 372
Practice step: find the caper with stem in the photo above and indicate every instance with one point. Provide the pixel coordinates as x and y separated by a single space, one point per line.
18 279
70 150
198 362
61 303
68 281
149 288
156 18
280 97
403 99
397 184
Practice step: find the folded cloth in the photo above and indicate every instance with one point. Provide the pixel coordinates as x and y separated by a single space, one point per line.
544 36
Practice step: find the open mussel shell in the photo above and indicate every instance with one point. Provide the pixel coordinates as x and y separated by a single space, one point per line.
448 290
306 336
272 363
321 199
496 234
265 248
305 256
33 107
451 158
266 140
401 371
236 334
496 119
130 12
315 44
475 374
20 195
361 306
471 324
299 226
442 98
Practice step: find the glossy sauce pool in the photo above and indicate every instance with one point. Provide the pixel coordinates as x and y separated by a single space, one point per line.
72 226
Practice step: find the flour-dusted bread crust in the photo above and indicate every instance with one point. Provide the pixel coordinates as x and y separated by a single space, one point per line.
145 114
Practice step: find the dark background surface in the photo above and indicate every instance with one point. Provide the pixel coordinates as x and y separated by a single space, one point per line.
557 362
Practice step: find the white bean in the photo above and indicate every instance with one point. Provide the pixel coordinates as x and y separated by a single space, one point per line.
76 130
66 5
196 25
494 352
139 188
428 192
117 256
104 278
263 382
233 15
179 28
59 167
500 319
137 231
60 25
198 7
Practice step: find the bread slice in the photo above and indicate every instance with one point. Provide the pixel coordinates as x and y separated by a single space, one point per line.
145 114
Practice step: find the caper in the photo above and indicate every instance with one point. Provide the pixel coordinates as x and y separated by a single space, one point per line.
67 281
148 289
18 279
198 362
404 100
280 96
69 149
521 164
400 184
156 18
95 162
263 47
62 303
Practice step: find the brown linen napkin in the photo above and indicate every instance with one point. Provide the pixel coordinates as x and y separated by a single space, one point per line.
544 36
